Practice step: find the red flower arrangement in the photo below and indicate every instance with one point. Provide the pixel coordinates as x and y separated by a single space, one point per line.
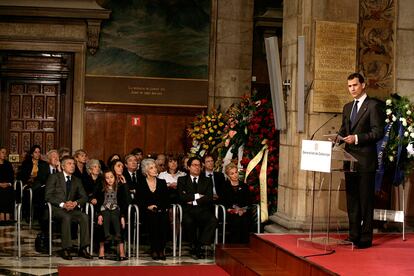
261 127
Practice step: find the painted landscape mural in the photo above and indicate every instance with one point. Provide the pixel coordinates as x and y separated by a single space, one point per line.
154 38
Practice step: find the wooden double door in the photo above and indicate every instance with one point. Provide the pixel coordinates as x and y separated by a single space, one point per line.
36 101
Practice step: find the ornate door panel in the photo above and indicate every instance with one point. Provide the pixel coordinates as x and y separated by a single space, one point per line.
36 101
33 117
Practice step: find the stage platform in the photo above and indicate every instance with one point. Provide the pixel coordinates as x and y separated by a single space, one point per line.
279 254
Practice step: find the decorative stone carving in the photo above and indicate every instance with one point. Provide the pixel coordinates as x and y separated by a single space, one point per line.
376 45
94 28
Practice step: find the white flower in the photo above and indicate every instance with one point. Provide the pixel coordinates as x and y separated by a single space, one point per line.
407 106
412 135
388 102
406 134
408 112
404 123
410 150
394 118
388 111
410 128
391 158
401 119
387 120
202 153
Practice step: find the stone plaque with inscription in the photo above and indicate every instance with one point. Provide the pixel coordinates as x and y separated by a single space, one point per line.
335 59
146 91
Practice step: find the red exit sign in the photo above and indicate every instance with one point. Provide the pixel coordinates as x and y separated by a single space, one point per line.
136 120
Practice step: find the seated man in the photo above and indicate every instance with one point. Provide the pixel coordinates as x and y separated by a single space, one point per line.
196 196
66 194
216 177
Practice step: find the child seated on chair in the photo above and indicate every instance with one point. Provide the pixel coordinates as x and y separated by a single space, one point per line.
110 216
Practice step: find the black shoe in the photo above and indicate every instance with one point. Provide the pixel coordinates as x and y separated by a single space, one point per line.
161 256
101 257
122 259
154 256
363 245
84 254
65 254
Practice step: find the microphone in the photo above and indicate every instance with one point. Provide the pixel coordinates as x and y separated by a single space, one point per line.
313 135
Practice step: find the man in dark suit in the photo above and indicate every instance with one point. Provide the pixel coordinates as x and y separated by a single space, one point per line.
217 178
196 196
66 194
362 126
132 175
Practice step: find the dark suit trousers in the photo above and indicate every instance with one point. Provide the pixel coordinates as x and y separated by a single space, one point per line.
202 218
239 227
157 223
360 192
112 217
65 218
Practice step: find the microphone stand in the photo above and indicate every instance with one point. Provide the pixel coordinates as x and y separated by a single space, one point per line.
324 124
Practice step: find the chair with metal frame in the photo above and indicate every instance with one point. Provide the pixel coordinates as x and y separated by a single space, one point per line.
178 212
18 184
219 207
90 210
50 215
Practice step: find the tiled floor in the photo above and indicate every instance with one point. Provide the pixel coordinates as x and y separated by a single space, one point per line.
33 263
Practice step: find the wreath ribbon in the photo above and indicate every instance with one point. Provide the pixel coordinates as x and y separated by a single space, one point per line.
262 154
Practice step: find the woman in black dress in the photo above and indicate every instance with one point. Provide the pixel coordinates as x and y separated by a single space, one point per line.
153 200
237 201
6 186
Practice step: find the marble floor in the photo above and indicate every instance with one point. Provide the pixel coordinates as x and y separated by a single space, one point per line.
34 263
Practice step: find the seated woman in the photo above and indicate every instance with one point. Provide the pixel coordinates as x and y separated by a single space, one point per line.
6 186
110 214
34 173
112 158
93 167
153 198
236 201
171 176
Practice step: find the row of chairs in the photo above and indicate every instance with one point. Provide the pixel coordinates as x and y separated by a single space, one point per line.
133 226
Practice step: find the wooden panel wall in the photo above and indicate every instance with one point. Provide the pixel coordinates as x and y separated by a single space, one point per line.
109 129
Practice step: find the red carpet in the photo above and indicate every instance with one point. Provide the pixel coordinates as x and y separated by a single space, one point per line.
182 270
389 255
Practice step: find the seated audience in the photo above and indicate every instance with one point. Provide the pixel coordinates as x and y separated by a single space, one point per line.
195 193
34 172
117 167
110 214
139 154
132 175
153 199
237 201
65 193
112 157
217 178
94 179
6 186
81 158
171 177
160 162
64 152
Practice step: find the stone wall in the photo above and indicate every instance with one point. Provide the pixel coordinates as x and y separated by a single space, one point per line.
230 51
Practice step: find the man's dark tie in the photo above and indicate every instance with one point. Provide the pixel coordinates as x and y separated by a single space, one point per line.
354 113
134 178
53 171
68 186
195 184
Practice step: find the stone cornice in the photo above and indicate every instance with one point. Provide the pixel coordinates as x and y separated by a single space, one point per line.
67 11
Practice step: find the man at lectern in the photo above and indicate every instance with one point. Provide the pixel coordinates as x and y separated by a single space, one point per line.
362 126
